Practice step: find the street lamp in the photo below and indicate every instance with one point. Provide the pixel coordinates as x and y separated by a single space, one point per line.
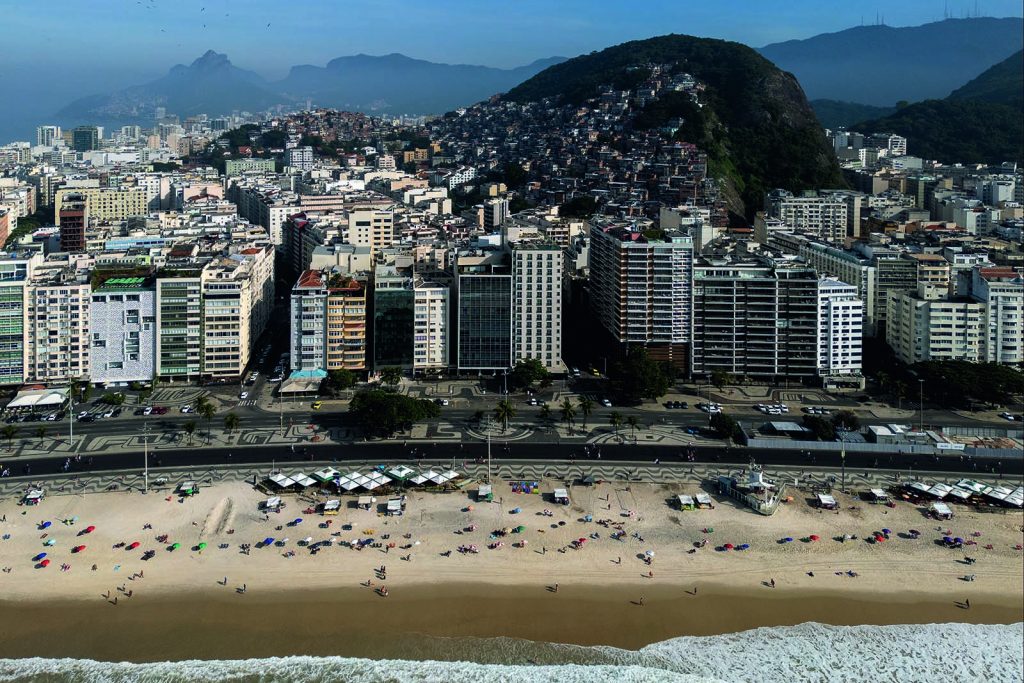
145 456
920 384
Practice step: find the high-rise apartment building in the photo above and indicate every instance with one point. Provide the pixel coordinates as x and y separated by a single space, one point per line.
755 318
431 298
393 317
85 138
840 334
15 273
371 227
823 216
179 319
300 158
640 287
47 136
122 321
484 286
106 204
57 339
922 328
1001 290
73 218
537 303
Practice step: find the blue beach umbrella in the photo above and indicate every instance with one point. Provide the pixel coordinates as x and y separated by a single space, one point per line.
38 557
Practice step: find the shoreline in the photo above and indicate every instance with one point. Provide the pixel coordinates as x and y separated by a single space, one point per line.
434 621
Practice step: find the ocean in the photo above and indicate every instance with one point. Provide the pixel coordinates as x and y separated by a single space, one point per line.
808 652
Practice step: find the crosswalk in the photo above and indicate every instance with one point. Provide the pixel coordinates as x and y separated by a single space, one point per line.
247 403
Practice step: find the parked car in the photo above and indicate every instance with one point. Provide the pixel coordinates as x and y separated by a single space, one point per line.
244 395
575 372
317 405
187 409
1008 416
606 403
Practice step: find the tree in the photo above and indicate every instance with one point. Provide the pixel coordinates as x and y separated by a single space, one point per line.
503 413
583 206
846 420
207 411
638 377
190 429
391 376
231 422
113 398
586 407
821 428
383 413
568 413
615 420
900 388
633 424
478 417
719 378
527 372
545 412
9 432
725 427
341 380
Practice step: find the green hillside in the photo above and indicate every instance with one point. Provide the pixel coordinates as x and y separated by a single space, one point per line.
1002 83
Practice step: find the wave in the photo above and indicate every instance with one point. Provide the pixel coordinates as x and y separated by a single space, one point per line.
809 652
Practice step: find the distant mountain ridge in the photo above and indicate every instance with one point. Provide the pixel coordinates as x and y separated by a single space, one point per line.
757 127
979 121
390 83
882 65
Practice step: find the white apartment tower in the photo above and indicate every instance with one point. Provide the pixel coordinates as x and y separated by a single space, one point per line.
537 303
840 330
430 325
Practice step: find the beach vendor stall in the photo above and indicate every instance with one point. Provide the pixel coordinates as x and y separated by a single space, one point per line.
33 497
941 511
879 496
272 504
366 502
396 506
331 507
485 493
561 496
187 488
686 502
704 502
826 502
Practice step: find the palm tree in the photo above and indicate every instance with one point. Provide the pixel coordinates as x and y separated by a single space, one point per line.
545 412
633 424
504 412
900 387
568 413
190 429
883 380
207 411
615 420
40 434
586 407
231 422
9 432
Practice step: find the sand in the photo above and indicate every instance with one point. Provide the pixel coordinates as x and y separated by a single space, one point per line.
504 591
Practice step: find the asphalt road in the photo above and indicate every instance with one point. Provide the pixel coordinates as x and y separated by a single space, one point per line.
397 451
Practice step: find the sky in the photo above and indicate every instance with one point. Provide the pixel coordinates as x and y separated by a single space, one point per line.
55 51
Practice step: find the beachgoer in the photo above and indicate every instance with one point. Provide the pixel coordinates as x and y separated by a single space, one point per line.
556 588
968 603
773 583
641 601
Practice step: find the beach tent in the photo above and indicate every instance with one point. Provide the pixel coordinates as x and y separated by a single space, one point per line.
827 502
418 480
303 481
959 495
940 491
396 506
975 487
332 507
917 487
942 511
400 473
588 480
704 501
484 492
561 496
1015 499
375 480
281 481
685 502
879 496
272 503
451 475
366 502
326 475
33 497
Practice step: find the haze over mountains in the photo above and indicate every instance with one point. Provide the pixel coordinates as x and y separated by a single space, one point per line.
391 83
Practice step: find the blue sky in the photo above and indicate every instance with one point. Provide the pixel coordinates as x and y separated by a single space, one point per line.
145 37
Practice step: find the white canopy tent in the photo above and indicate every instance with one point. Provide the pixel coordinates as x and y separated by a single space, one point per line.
281 481
879 494
272 503
685 501
325 475
303 481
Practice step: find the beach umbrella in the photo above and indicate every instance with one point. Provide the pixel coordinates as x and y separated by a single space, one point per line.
38 557
78 549
175 546
134 545
44 563
89 529
745 546
269 540
202 546
788 539
728 546
44 525
915 532
520 529
958 540
886 531
815 537
947 539
50 542
297 520
879 539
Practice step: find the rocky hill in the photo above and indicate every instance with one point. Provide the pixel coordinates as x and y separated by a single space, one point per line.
755 123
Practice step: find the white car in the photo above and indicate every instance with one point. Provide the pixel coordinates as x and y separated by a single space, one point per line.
244 395
606 403
532 402
148 410
187 409
1008 416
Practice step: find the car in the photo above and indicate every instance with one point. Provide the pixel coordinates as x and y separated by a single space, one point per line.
317 405
87 418
595 372
441 401
117 412
606 403
1008 416
107 413
160 410
575 372
140 411
52 417
148 410
83 414
692 430
244 395
684 405
187 409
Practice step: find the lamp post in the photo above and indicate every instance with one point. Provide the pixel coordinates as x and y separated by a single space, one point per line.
145 456
920 384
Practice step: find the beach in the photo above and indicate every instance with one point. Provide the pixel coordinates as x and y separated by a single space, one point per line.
286 600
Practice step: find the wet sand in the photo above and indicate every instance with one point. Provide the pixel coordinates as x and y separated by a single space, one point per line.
433 621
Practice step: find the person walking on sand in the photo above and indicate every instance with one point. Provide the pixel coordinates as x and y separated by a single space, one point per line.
556 588
773 583
641 601
968 603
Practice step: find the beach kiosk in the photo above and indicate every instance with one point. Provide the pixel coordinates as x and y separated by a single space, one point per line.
188 488
485 493
826 502
33 497
704 502
396 506
941 511
686 502
561 496
331 507
366 502
879 496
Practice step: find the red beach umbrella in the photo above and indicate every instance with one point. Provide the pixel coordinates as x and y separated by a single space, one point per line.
728 546
815 537
44 563
133 546
78 549
879 539
89 529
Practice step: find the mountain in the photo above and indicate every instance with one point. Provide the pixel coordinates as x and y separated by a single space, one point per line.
882 65
980 122
211 84
836 114
401 84
393 83
756 126
1002 83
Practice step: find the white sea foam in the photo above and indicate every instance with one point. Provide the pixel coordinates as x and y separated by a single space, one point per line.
809 652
